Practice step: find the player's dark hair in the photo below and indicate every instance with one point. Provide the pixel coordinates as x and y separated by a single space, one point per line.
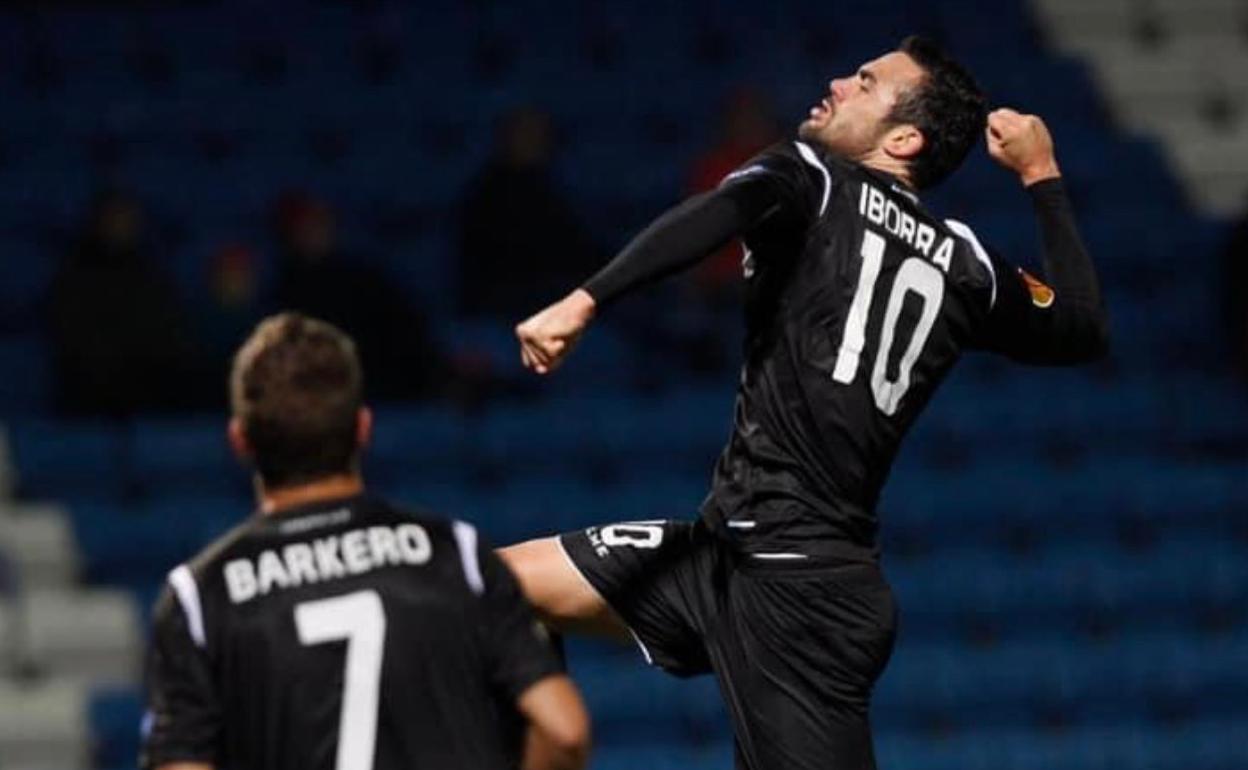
297 387
948 107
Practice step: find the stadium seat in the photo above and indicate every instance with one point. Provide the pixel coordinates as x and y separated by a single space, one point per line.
186 456
40 541
90 636
28 389
61 461
115 716
45 724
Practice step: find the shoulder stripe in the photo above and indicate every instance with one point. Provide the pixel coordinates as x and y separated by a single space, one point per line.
182 581
747 171
466 539
811 159
966 234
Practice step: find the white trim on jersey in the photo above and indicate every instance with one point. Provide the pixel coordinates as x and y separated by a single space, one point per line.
809 156
966 234
741 524
755 169
645 651
182 580
778 556
912 197
466 539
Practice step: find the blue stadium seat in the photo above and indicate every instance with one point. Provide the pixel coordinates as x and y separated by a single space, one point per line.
528 507
186 456
114 717
418 443
137 544
69 460
26 387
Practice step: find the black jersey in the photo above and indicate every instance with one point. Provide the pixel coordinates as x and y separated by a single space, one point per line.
859 301
344 635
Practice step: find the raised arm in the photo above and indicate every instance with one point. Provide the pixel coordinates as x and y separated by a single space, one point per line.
675 241
1059 319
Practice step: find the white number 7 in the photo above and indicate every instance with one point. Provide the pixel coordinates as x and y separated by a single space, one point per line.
360 619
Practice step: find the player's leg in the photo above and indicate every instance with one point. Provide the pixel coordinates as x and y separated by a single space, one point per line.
622 579
797 658
563 599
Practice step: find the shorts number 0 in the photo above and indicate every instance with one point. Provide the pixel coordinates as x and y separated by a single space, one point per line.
635 534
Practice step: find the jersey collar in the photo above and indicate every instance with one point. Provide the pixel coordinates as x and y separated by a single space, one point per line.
315 506
893 184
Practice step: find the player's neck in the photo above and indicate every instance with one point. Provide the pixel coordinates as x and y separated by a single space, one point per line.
322 490
879 160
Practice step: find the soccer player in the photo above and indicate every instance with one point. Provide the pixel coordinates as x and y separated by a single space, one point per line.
858 302
333 630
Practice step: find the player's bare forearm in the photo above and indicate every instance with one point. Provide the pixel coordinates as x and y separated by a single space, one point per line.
540 753
559 735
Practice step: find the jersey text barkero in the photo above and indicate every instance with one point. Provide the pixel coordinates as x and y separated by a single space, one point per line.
344 634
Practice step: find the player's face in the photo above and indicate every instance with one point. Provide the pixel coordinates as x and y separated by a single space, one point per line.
852 119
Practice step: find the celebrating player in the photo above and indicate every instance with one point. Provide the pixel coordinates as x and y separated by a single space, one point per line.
332 630
859 300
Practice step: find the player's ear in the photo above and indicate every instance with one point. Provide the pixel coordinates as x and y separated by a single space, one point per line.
363 427
238 440
904 141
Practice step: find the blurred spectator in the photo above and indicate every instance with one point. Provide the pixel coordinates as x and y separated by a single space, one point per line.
520 245
316 277
1235 305
747 126
235 301
121 339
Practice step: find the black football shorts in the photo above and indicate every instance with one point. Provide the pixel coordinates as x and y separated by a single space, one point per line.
796 645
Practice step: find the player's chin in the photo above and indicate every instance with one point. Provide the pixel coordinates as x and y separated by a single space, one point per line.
809 129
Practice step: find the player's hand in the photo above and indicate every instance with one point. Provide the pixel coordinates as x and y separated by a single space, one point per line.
1022 144
548 337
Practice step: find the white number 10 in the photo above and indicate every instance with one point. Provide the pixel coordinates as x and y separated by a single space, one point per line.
360 619
915 275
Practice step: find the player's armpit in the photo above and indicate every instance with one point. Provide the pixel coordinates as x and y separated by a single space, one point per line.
558 736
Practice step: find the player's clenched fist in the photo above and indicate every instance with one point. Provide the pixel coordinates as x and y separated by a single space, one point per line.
548 337
1022 144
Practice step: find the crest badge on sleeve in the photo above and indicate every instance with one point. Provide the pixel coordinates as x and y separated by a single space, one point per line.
1042 295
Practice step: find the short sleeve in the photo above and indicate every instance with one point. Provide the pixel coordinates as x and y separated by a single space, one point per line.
183 719
519 650
795 171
